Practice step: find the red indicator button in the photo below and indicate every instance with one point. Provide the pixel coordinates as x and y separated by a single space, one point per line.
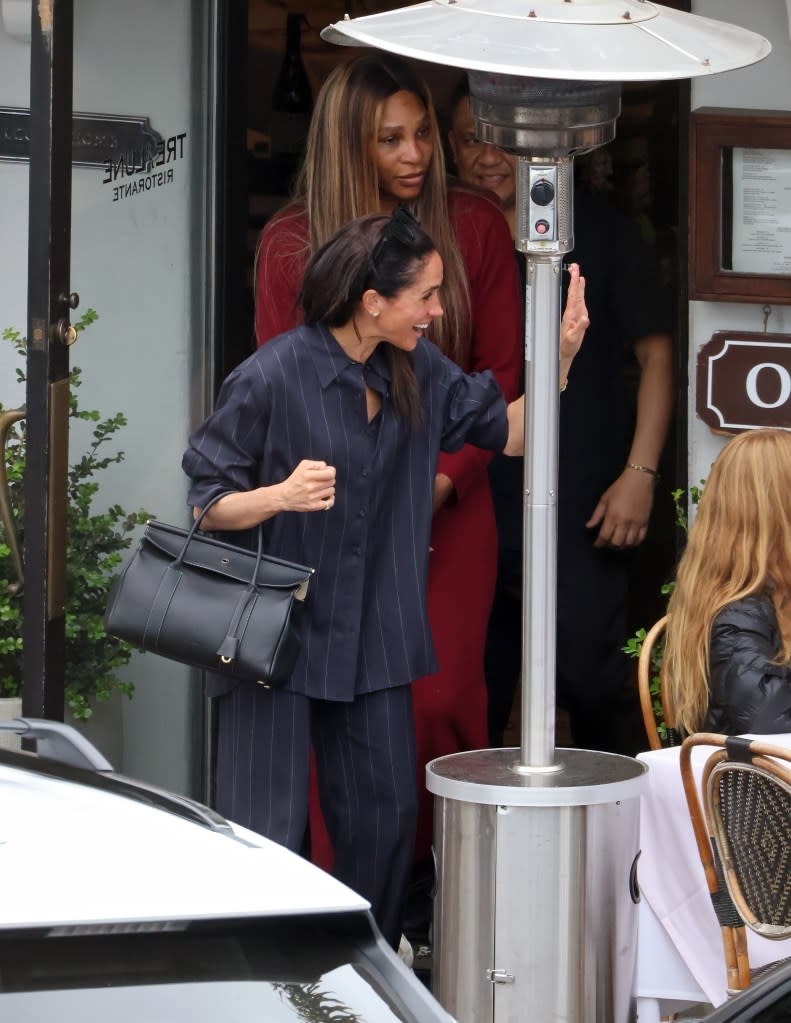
542 227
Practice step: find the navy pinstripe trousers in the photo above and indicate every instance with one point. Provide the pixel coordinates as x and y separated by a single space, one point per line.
365 754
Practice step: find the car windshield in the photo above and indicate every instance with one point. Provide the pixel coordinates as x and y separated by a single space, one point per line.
278 971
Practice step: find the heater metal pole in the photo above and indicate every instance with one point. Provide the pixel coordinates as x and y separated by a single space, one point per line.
543 123
544 231
539 563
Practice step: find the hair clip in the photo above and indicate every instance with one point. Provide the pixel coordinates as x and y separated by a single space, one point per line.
403 226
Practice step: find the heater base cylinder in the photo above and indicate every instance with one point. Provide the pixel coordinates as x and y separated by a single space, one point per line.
535 914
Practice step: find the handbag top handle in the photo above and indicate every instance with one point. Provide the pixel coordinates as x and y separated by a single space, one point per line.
196 525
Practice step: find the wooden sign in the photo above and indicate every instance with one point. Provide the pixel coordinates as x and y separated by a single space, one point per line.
744 381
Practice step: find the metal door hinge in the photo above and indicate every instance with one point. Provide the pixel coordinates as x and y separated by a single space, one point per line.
500 977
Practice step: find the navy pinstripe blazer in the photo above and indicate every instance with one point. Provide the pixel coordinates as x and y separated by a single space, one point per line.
300 396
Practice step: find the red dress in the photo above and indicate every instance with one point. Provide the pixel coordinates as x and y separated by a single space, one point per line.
449 706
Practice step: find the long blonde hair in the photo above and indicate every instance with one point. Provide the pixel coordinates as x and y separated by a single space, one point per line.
338 181
739 544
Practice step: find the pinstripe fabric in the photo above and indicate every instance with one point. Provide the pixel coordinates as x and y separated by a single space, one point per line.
365 754
263 746
301 396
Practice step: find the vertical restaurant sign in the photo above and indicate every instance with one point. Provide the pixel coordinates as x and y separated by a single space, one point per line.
744 381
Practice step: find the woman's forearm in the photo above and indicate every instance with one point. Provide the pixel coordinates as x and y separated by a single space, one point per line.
244 510
515 445
309 488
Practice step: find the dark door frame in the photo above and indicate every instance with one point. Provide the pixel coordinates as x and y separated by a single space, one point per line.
232 340
49 334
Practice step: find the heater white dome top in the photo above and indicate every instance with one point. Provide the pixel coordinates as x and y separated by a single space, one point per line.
593 40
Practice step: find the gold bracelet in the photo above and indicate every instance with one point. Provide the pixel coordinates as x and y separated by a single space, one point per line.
564 385
643 468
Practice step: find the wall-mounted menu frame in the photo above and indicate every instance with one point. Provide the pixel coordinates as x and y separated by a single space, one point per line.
740 205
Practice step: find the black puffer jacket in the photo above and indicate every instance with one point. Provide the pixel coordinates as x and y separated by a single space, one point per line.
748 693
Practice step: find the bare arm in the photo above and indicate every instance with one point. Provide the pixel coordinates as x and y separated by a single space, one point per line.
310 487
624 508
515 445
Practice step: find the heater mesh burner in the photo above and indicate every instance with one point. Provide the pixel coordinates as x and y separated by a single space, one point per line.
515 90
542 117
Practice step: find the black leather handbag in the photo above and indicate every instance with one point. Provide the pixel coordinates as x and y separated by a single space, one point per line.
195 599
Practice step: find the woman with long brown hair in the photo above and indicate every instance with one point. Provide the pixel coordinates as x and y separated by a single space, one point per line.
374 144
727 658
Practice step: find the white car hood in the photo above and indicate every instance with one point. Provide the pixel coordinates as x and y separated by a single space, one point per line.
91 856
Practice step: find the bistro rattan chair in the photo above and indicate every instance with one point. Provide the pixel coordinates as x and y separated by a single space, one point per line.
742 827
645 671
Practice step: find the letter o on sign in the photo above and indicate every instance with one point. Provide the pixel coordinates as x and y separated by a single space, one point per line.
785 385
744 381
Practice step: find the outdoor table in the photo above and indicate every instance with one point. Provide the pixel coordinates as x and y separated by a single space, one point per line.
680 954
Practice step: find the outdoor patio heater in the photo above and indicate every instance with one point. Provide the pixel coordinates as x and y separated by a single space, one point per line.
536 849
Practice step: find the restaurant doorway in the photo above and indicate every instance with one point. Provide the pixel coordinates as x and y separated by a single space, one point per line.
643 172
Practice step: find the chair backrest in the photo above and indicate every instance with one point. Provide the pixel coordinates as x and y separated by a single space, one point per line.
660 733
743 833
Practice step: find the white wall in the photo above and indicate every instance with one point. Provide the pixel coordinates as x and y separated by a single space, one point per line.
766 85
14 92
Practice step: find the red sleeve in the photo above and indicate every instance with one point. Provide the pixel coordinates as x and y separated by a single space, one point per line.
496 313
280 264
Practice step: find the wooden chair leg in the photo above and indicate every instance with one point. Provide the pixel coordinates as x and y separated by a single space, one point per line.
737 963
742 958
731 965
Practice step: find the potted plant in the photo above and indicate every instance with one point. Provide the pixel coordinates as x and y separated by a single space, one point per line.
96 544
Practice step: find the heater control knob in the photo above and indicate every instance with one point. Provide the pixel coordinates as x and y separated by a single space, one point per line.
543 192
542 227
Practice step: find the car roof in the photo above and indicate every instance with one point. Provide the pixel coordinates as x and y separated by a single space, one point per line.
76 852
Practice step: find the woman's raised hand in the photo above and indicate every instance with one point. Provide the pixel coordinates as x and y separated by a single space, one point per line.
575 319
310 487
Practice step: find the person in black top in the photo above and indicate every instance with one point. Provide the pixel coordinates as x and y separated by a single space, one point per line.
609 454
727 655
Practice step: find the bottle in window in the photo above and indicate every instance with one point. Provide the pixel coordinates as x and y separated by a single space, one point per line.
292 99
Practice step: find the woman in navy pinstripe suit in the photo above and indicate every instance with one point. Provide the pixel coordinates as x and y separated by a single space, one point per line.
346 416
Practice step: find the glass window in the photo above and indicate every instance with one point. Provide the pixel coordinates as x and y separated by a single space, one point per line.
142 257
278 971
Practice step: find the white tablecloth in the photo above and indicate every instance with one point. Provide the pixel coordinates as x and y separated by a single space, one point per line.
671 877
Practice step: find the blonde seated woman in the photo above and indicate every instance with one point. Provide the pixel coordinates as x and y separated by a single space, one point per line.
727 659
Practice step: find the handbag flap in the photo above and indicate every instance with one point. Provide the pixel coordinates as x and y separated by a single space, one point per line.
204 552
